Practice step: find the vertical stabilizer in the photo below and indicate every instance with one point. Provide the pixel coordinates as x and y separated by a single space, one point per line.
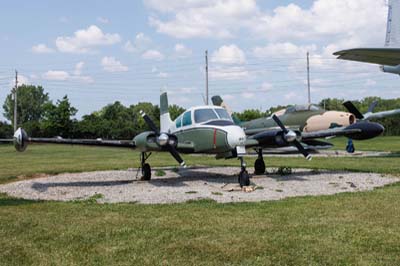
165 119
393 24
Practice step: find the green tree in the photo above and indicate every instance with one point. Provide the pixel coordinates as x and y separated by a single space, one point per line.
175 111
30 107
57 118
6 130
249 114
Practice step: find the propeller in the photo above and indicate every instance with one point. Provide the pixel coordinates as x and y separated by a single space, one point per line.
291 137
164 139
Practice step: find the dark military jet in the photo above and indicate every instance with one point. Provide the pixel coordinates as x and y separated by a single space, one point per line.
305 124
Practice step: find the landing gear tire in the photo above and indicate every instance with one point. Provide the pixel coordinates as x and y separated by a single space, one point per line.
259 166
244 178
146 172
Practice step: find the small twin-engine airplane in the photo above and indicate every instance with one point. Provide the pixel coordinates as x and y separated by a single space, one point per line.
307 123
203 129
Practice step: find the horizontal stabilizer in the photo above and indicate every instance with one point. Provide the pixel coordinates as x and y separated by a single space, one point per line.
380 56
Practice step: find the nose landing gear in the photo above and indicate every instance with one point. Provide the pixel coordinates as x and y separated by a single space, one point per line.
244 177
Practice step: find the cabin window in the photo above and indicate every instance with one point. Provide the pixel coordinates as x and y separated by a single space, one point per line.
187 119
178 122
203 115
223 114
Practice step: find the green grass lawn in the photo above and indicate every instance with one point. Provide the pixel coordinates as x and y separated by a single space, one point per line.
345 229
391 143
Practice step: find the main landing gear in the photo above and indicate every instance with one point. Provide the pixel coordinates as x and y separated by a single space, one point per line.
244 177
259 164
146 169
350 146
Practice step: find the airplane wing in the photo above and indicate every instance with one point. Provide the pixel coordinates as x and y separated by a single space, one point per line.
380 56
88 142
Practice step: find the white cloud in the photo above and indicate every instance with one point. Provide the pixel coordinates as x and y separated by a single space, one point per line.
56 75
182 51
78 68
110 64
247 95
277 50
340 19
103 20
163 75
228 73
141 43
42 49
60 75
84 40
216 19
228 54
152 55
359 21
266 86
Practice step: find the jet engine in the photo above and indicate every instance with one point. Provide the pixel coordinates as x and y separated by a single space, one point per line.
327 120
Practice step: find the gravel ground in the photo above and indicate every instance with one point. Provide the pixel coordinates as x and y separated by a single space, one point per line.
219 184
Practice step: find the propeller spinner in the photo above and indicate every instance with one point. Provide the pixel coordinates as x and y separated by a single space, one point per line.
291 137
165 140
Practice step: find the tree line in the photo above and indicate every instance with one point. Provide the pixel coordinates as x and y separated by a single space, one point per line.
41 117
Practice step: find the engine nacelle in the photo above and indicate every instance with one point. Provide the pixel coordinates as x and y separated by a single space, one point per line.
391 69
327 120
149 141
20 140
276 138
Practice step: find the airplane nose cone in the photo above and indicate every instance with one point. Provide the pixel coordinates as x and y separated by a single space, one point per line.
236 136
369 130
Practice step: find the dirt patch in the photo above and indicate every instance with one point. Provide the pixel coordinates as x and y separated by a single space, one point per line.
217 183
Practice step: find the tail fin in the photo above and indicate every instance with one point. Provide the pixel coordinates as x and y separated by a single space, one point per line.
217 101
352 109
393 24
165 119
372 107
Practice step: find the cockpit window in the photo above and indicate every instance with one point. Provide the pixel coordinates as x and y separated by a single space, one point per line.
202 115
178 122
187 119
223 114
302 108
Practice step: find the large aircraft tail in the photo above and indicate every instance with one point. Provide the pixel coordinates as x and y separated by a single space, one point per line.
165 119
393 25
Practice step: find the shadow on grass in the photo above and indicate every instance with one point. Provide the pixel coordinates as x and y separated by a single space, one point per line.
9 201
42 187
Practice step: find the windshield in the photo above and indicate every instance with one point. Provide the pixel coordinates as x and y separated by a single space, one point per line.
203 115
223 114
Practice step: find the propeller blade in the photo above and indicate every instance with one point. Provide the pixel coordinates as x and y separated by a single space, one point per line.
149 122
279 123
176 155
302 150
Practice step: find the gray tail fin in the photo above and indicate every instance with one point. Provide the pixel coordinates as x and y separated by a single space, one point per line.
372 107
165 119
393 24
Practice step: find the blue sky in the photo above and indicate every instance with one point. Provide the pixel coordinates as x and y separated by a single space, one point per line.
98 52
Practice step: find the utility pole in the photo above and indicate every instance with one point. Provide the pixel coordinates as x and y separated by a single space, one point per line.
206 77
15 100
308 78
